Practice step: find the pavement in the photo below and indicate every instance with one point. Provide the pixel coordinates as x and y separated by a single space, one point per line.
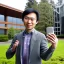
7 42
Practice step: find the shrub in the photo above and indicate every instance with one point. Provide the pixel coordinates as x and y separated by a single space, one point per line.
11 33
61 36
3 38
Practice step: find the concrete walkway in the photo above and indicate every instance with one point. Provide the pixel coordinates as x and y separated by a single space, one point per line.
7 42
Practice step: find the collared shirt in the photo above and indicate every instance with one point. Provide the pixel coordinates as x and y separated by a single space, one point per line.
26 47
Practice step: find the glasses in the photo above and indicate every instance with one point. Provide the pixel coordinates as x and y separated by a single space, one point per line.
29 18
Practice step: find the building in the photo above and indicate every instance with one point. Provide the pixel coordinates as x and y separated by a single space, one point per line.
59 17
10 17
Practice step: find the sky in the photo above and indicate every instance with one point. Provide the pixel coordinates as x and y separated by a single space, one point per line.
18 4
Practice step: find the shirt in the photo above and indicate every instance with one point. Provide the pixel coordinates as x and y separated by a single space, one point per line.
26 47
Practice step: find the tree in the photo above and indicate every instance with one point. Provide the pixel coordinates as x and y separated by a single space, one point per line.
46 16
11 33
31 4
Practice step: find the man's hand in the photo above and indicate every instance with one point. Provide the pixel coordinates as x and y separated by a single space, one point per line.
15 45
53 40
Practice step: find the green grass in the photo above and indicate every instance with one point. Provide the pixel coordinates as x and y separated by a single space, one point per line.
57 57
3 60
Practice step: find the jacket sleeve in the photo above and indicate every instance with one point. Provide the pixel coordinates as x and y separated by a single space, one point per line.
45 52
9 53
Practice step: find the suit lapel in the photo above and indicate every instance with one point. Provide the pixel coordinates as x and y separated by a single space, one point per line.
33 40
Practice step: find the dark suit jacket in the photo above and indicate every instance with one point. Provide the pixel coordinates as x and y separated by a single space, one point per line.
38 48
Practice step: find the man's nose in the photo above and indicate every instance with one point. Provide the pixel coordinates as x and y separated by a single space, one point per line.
29 21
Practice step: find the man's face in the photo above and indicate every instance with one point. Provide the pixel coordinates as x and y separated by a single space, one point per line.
30 21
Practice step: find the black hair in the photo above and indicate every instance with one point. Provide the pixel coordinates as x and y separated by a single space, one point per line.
28 11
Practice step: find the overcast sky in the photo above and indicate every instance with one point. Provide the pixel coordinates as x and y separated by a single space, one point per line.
19 4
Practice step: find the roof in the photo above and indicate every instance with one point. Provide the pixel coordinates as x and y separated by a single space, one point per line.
10 11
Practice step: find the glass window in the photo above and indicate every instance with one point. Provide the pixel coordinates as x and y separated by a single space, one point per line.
58 29
9 19
58 17
1 31
55 24
2 17
9 26
19 21
3 25
58 25
58 9
22 27
14 26
58 33
55 29
18 27
14 20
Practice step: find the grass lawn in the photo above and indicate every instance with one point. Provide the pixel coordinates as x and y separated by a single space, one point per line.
57 57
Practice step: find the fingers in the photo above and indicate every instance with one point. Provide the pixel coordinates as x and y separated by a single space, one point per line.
15 45
51 38
17 42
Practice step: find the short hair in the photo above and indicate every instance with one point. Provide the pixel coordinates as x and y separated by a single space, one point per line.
30 10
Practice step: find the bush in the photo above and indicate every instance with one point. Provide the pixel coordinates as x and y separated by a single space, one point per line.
11 33
61 36
3 38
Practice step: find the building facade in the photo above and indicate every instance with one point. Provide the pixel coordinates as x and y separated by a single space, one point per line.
10 17
59 17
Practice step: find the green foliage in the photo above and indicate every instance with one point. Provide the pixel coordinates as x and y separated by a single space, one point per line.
58 55
11 33
3 38
17 31
3 59
61 36
30 4
46 16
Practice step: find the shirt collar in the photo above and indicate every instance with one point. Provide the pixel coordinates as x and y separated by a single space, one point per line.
25 32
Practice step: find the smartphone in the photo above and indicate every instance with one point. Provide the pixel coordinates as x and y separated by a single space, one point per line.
50 30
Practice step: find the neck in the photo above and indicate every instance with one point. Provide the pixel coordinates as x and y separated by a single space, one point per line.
28 31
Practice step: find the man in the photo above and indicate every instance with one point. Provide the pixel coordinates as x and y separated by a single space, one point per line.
30 45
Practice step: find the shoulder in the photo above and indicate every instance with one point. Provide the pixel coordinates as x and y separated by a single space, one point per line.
19 34
40 35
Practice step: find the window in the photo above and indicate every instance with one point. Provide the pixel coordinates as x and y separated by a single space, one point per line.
58 9
2 25
22 27
9 19
14 20
55 24
1 31
1 17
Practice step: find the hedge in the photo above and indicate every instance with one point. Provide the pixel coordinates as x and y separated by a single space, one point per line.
61 36
3 38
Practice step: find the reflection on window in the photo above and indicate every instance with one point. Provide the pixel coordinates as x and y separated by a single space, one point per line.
3 25
15 20
14 26
1 17
19 21
22 27
9 26
18 26
9 19
1 31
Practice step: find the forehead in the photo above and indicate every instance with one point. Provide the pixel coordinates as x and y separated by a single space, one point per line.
31 14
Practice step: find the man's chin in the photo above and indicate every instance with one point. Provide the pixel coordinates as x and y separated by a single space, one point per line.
29 28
